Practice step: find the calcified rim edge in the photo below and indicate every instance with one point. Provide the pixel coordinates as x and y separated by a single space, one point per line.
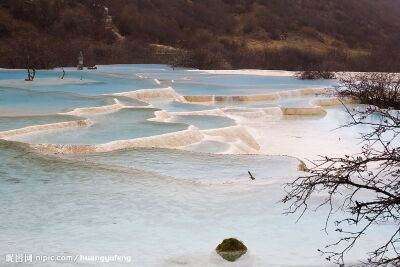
244 144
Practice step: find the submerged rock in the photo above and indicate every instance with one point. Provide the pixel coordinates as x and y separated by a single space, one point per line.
231 249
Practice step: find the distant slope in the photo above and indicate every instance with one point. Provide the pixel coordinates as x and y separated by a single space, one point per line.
352 23
215 33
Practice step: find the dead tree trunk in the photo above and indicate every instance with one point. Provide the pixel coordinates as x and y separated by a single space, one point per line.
29 75
33 74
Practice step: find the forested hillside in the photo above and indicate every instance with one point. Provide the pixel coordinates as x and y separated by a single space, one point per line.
269 34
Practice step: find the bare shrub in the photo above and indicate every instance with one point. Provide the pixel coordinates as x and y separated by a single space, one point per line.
378 89
315 75
361 191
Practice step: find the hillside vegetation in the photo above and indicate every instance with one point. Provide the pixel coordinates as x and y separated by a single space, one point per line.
270 34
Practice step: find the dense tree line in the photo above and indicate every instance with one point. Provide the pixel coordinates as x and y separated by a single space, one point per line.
207 33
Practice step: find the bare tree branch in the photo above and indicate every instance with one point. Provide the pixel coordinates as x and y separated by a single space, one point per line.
364 186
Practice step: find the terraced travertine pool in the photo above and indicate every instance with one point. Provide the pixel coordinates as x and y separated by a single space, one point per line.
151 162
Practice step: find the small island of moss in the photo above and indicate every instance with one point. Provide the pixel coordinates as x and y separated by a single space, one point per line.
231 249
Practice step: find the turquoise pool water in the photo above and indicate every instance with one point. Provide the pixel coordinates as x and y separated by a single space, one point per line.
15 122
243 85
205 122
57 206
85 83
17 101
124 124
150 200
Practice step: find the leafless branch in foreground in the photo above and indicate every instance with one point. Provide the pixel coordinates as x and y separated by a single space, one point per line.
364 188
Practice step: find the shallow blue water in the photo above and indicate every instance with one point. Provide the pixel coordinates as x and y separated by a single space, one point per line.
175 106
54 206
209 146
121 125
22 74
15 122
14 100
205 122
243 85
197 166
88 83
122 78
129 202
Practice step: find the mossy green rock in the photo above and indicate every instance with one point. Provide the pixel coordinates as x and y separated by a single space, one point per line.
231 249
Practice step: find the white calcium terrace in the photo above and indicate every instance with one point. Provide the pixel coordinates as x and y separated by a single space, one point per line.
151 163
